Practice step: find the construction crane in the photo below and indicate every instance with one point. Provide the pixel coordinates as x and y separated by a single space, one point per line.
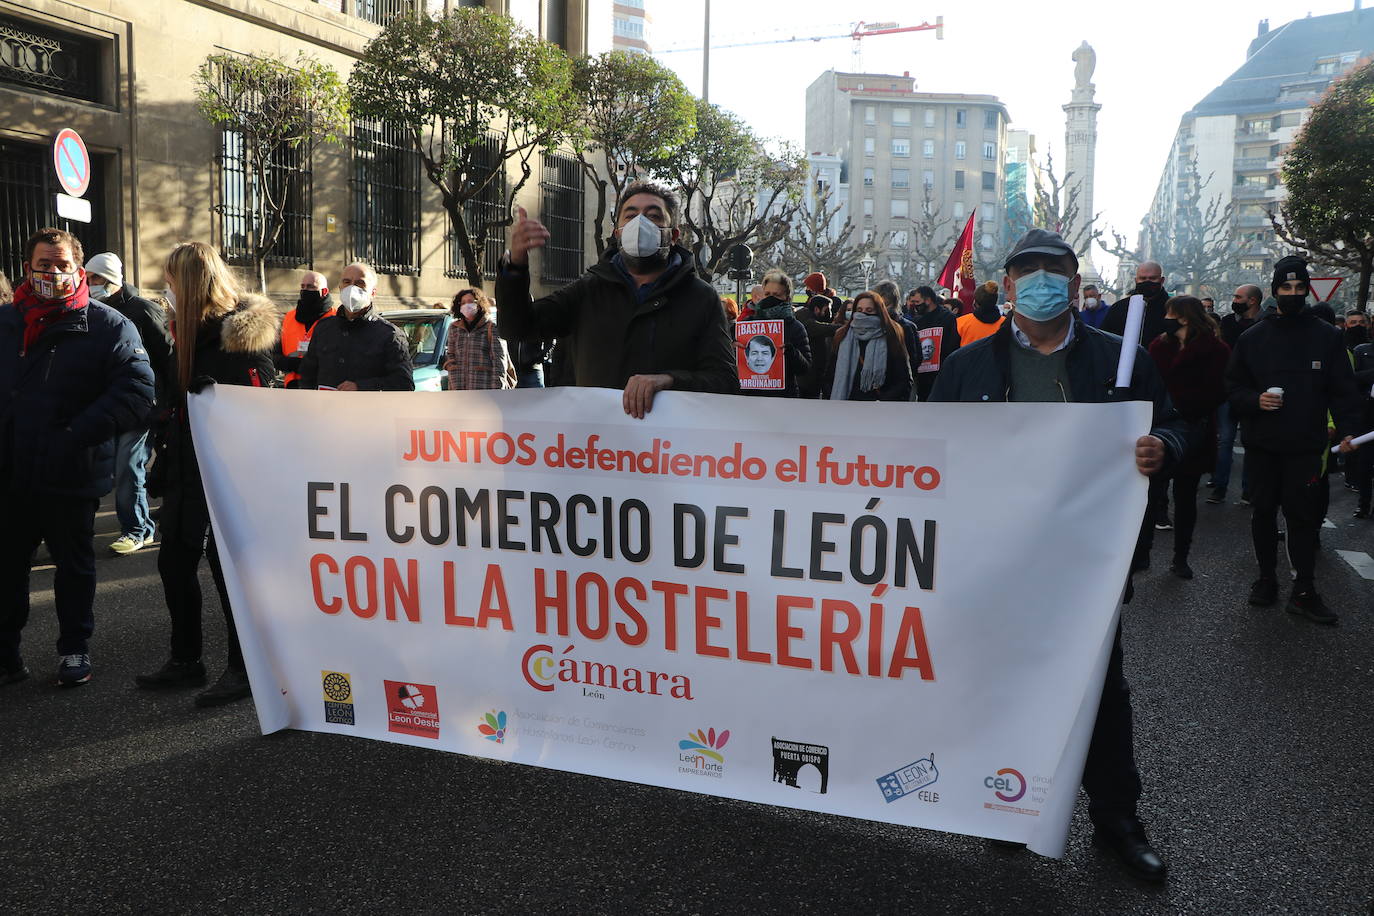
858 32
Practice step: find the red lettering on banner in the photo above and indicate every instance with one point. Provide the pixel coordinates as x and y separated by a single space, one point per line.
832 639
451 616
787 632
494 587
641 631
705 622
910 630
316 562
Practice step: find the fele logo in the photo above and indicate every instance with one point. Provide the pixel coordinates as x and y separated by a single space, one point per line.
911 779
493 726
543 671
338 697
801 766
412 709
700 754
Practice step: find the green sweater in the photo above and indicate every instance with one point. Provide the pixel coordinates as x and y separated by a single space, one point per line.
1036 376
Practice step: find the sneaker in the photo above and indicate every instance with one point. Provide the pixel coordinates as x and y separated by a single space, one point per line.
1264 592
1310 605
173 674
1212 484
232 685
1217 498
126 544
1243 501
1181 568
13 672
1164 524
73 670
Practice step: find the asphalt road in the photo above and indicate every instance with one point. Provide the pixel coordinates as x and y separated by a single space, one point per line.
1254 737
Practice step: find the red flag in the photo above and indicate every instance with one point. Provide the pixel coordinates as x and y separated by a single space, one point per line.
958 273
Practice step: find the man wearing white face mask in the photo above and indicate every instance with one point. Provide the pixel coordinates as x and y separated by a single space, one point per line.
640 319
1093 310
1045 352
356 350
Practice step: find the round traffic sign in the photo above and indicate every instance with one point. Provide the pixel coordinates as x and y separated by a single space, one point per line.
72 162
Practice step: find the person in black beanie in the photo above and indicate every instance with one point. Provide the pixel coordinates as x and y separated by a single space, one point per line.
1285 375
298 325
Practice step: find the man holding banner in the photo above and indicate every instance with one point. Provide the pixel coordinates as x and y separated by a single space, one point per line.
1046 353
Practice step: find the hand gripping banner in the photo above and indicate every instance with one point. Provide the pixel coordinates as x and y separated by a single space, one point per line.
887 611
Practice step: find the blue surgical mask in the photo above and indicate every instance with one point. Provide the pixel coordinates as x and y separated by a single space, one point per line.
1042 296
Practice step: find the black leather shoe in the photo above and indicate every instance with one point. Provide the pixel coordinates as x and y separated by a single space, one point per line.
1181 568
232 685
1264 592
1126 837
13 672
173 674
1310 605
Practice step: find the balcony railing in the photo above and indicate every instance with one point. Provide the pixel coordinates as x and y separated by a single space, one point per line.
1258 163
1249 192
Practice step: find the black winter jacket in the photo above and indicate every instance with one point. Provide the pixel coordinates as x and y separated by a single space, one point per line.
896 380
938 317
818 336
1364 384
799 359
85 380
1306 357
1153 326
981 371
151 321
369 351
606 336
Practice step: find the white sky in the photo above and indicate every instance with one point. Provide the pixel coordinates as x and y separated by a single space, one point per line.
1152 66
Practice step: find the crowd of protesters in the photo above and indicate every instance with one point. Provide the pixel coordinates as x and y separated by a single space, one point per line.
99 376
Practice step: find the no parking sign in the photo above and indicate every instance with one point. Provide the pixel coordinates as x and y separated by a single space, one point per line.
73 165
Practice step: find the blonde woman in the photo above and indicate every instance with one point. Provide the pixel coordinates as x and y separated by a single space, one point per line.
227 337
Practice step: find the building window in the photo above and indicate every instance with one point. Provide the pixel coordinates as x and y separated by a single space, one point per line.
990 151
489 206
386 198
901 178
901 148
989 181
900 208
868 236
383 11
629 28
928 179
28 191
868 207
961 117
987 240
868 178
990 119
958 179
868 146
870 114
899 238
901 117
562 215
32 57
958 209
960 149
555 24
930 117
927 149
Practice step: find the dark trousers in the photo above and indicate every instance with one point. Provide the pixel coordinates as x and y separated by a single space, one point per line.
1361 465
1110 776
178 562
1293 483
67 524
1185 488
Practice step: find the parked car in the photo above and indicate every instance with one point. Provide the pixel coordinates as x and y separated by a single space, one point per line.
427 332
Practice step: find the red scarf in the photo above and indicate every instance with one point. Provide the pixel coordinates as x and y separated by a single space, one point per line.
40 314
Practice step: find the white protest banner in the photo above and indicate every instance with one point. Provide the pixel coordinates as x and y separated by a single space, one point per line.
901 626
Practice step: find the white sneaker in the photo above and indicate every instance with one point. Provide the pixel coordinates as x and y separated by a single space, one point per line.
127 543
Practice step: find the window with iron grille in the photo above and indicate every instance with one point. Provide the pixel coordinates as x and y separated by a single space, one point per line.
489 205
241 203
32 57
28 191
561 214
386 198
383 11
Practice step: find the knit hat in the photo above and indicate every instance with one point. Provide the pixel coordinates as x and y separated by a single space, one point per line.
1290 268
814 282
108 265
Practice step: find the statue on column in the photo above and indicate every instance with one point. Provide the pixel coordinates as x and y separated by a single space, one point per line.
1085 60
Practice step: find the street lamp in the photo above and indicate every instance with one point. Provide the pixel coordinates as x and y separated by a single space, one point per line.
866 265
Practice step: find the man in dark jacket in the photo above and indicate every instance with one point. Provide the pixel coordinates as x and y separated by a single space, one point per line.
1361 464
105 277
74 375
357 350
939 331
1046 353
640 319
815 318
1286 375
911 338
1149 282
1245 309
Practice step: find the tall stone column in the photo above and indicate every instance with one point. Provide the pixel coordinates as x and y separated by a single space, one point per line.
1080 145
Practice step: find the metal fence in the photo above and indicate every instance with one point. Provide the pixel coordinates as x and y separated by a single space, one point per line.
488 206
240 206
563 193
28 190
386 198
50 61
383 11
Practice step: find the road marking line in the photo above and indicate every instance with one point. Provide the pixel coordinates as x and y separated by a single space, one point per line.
1361 561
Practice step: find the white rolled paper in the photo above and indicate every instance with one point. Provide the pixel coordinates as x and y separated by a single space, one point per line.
1358 440
1135 317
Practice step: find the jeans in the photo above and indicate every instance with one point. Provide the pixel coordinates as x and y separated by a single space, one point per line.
67 524
131 500
533 377
1227 424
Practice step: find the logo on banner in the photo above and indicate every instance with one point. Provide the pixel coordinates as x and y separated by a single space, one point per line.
759 355
493 726
700 754
412 709
1010 787
338 697
801 766
930 348
1008 784
911 779
543 670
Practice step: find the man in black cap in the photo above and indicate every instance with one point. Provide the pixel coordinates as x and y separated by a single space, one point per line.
1047 353
1286 374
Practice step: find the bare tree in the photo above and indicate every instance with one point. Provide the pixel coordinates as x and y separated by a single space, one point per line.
816 243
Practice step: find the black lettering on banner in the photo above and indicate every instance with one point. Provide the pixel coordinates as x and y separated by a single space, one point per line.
313 510
681 559
725 539
404 535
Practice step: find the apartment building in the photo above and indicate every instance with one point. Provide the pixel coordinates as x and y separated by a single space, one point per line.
630 27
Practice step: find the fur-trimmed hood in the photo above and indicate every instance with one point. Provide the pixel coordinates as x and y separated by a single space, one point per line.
252 327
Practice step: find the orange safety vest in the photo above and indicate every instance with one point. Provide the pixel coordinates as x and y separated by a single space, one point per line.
293 334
